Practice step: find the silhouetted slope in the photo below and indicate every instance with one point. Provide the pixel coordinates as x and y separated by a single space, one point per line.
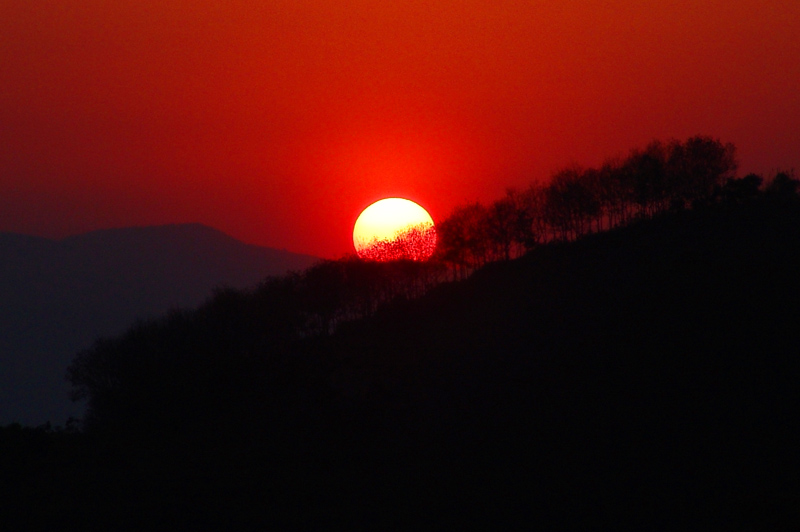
56 297
647 375
644 378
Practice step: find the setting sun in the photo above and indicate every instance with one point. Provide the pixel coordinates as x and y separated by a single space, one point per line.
394 229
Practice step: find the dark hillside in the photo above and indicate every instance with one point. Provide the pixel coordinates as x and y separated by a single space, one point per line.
647 374
643 378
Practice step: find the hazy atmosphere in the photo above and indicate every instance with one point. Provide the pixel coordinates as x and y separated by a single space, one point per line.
399 265
277 122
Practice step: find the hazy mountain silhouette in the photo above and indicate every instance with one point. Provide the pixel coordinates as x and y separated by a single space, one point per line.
58 296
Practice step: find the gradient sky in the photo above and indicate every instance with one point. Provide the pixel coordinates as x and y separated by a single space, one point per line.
277 121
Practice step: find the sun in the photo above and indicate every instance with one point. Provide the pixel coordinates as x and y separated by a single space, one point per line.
394 229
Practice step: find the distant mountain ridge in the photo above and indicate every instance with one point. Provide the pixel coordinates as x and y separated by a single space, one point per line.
58 296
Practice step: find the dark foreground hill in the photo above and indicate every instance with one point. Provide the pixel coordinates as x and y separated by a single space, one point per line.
56 297
645 378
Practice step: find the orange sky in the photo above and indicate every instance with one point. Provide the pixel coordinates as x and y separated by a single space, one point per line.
277 121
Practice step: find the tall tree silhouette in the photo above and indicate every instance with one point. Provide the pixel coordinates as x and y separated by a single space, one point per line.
571 204
463 241
509 226
783 186
648 172
708 164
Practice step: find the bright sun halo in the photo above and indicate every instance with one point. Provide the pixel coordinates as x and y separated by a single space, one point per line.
394 229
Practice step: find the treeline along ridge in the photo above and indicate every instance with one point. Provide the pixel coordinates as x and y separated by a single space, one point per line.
636 365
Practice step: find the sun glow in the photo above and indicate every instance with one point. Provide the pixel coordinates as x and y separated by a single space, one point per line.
394 229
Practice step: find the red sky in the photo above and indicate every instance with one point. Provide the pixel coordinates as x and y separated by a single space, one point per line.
277 121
